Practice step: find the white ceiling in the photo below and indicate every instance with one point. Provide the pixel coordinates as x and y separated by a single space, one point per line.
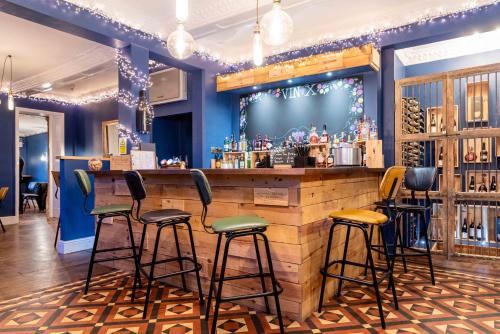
45 55
224 27
30 125
452 48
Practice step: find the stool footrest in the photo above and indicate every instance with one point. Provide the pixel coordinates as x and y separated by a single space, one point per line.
183 258
250 296
352 279
114 258
231 278
114 249
197 267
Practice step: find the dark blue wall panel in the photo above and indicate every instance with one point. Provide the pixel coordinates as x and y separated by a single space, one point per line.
34 148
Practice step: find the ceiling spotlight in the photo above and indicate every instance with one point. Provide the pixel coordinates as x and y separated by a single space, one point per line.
46 85
329 74
255 87
180 43
290 81
277 26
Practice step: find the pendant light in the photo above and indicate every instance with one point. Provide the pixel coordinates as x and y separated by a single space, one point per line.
10 96
180 43
258 56
277 26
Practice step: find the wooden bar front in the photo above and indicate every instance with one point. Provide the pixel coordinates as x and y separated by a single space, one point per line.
301 200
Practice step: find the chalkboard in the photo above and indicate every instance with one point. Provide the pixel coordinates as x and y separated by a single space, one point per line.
283 156
281 112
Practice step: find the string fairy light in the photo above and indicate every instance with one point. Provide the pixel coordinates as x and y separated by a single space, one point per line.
127 70
128 134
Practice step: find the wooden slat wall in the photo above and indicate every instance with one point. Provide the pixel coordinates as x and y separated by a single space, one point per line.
297 233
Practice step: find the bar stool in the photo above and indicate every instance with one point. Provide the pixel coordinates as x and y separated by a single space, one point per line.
233 228
417 179
362 219
102 212
3 194
162 219
57 180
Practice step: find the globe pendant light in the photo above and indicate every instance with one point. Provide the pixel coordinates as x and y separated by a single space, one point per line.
277 26
10 96
258 56
181 10
180 43
10 101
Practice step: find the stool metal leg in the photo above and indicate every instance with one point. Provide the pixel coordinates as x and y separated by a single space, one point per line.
391 285
427 245
221 282
344 258
261 271
137 263
151 272
212 280
57 231
366 262
274 283
137 277
92 256
1 224
374 277
327 261
399 238
193 250
181 266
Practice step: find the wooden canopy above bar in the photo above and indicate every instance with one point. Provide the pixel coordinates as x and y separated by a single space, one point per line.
366 55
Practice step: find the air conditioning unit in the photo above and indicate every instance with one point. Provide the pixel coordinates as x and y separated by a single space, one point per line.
168 85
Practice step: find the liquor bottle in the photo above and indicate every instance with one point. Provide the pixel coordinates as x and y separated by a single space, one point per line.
472 185
324 136
441 126
258 143
226 144
483 155
472 229
242 162
335 141
313 135
482 187
329 160
470 155
440 158
493 184
479 231
433 124
234 146
464 229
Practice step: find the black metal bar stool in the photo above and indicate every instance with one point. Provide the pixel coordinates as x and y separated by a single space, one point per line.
417 179
57 180
362 219
233 228
102 212
3 194
162 219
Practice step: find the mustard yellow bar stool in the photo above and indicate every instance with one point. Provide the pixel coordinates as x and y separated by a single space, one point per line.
362 220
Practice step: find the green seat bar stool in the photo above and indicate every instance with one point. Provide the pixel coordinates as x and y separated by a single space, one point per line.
102 212
362 219
162 219
233 228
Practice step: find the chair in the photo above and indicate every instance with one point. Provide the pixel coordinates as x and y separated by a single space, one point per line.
3 195
30 196
162 219
57 180
233 228
363 219
102 212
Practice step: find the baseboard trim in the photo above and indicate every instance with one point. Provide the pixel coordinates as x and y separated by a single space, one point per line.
10 220
77 245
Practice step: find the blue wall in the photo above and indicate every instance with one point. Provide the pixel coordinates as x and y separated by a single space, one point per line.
33 148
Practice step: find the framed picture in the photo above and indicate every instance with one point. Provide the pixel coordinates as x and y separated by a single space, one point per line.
477 101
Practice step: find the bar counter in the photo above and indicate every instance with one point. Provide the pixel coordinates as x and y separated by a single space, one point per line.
296 202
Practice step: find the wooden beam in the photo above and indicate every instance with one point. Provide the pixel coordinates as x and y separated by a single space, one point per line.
366 55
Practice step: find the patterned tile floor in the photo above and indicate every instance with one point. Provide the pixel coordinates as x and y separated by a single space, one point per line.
459 303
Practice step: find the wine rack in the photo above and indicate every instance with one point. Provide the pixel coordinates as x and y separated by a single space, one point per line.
413 123
451 121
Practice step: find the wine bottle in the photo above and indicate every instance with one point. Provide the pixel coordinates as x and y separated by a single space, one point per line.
440 158
483 155
470 156
472 228
324 136
234 146
329 160
482 187
226 144
472 185
493 184
479 231
441 126
433 124
464 229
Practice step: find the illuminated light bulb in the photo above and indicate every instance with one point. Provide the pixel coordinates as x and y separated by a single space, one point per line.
277 26
181 10
10 101
180 43
258 57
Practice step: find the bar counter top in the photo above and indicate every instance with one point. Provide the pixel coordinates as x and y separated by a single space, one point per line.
253 171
